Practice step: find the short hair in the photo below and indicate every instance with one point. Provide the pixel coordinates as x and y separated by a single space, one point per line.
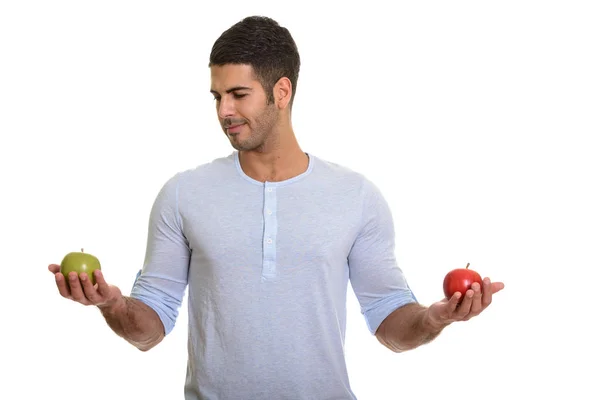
263 44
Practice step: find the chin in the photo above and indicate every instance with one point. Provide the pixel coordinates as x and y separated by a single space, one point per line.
250 144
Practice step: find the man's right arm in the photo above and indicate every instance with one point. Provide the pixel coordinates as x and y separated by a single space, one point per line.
130 318
135 322
148 314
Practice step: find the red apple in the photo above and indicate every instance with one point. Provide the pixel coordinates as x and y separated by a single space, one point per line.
460 280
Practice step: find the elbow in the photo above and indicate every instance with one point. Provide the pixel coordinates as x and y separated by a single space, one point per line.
398 330
144 348
147 345
395 347
394 340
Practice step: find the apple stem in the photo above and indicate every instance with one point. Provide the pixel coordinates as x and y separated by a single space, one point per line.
466 266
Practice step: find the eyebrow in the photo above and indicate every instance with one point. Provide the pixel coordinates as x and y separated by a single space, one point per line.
233 89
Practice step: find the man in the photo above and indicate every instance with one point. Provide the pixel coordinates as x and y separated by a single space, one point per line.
266 240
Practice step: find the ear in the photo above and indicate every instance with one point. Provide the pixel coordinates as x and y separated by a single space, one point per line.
282 93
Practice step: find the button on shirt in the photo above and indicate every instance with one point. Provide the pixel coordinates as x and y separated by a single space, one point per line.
267 267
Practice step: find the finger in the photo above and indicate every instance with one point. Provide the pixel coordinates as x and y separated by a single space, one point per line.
54 268
465 305
497 286
454 302
76 289
476 305
62 285
89 290
490 288
103 287
487 292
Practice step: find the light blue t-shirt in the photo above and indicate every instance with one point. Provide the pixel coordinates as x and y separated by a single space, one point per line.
268 266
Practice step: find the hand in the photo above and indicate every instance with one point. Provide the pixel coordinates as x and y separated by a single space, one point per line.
476 300
81 290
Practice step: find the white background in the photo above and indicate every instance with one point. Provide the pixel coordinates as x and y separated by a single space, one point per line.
478 120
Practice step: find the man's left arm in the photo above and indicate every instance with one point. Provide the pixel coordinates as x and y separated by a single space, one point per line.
413 325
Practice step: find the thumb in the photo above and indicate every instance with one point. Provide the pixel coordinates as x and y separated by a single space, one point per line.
497 286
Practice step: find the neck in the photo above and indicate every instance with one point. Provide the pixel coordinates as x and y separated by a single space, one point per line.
275 162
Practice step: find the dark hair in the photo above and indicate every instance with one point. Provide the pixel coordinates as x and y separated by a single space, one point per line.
263 44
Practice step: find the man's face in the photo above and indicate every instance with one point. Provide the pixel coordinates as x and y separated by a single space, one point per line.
242 108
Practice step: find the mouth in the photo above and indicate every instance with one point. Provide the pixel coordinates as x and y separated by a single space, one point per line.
233 128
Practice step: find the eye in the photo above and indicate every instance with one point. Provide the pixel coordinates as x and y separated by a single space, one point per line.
216 98
239 96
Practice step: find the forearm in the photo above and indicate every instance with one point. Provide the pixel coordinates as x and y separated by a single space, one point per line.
135 322
407 328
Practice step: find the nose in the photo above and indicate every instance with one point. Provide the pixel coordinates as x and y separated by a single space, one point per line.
225 107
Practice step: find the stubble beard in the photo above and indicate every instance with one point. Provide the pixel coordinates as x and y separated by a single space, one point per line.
260 133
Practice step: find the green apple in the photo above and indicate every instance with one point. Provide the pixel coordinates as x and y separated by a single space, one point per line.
80 262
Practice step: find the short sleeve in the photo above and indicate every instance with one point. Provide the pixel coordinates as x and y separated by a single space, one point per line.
162 281
377 280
